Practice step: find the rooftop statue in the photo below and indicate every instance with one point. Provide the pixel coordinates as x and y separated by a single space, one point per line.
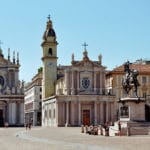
130 80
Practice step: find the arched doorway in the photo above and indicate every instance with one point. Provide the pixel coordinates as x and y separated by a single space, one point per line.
147 112
1 118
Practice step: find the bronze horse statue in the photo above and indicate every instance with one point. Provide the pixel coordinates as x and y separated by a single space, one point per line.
130 80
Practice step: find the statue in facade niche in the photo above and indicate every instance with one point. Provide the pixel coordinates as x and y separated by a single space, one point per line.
130 80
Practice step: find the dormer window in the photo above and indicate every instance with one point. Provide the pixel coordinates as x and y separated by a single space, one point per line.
50 51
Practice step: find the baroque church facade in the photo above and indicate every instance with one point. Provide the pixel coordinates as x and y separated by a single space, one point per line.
76 94
11 91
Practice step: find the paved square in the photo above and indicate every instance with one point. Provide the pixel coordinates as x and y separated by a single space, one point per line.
64 138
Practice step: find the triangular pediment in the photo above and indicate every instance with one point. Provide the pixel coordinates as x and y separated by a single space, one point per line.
86 63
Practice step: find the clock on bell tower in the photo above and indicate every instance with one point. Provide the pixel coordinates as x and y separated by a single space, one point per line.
49 59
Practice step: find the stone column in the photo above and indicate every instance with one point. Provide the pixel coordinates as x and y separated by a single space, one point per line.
72 113
95 112
107 111
67 81
103 81
79 113
57 106
112 111
17 113
72 89
67 113
78 81
100 88
13 108
95 82
101 112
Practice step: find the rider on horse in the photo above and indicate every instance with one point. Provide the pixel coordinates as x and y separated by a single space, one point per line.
130 79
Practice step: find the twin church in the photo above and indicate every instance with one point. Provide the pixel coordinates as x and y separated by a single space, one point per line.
83 93
76 94
11 91
73 95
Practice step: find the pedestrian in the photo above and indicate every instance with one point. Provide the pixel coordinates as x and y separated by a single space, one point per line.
119 127
107 129
26 126
29 126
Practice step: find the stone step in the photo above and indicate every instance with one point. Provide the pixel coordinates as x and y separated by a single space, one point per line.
139 130
138 124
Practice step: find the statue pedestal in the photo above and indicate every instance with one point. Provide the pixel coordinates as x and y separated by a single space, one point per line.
132 109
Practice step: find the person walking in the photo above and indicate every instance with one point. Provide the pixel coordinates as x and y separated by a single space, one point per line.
26 125
119 127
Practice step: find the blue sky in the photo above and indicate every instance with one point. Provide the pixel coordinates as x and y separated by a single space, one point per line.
117 29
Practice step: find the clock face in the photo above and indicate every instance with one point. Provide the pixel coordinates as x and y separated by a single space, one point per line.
50 64
85 83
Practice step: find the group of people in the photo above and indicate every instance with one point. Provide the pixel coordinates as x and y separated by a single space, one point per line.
92 130
100 129
106 127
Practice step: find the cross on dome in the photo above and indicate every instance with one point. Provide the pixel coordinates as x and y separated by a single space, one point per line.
84 45
49 17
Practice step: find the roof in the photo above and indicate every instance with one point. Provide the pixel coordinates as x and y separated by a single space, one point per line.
142 68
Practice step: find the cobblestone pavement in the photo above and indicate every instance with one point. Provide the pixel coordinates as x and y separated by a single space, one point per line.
66 139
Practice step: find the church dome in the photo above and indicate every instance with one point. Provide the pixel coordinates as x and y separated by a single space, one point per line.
49 30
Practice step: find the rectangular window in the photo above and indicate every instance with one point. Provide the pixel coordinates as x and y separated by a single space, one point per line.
124 111
45 113
144 94
54 113
40 89
50 51
144 80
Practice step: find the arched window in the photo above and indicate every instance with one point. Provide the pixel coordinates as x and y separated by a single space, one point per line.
50 51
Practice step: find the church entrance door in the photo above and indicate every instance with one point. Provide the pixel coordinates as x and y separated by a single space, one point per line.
1 118
86 117
147 113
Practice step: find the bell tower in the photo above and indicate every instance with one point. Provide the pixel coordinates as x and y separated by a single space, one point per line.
49 60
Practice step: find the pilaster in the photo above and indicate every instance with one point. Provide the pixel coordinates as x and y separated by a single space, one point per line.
73 88
95 112
101 112
67 113
79 113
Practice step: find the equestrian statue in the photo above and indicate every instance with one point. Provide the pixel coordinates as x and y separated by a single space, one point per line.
130 80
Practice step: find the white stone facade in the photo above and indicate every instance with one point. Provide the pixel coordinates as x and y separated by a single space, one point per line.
11 92
77 110
33 95
80 97
73 95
